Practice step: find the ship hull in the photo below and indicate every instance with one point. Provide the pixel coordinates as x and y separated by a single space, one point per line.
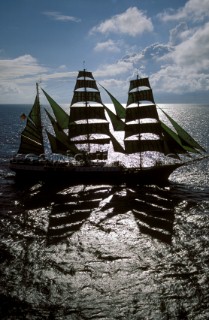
94 174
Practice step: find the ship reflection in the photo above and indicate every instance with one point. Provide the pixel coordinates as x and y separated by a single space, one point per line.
69 208
153 209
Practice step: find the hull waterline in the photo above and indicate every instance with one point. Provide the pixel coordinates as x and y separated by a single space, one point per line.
91 174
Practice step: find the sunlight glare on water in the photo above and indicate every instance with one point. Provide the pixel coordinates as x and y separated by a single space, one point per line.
106 251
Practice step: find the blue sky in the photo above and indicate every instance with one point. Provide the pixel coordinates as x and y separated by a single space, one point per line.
50 40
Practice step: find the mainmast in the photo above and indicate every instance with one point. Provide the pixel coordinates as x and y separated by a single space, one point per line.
138 104
86 106
142 120
88 126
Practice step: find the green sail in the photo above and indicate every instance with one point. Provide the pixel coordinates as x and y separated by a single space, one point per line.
116 145
120 110
31 137
61 116
61 135
28 145
175 144
56 145
183 134
117 123
35 113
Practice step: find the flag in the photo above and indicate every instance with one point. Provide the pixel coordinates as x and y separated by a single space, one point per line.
23 116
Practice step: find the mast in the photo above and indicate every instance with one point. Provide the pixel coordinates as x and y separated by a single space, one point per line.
88 126
139 137
32 136
168 142
86 106
37 93
142 120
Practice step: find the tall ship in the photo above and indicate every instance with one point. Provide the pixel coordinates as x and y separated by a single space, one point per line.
94 143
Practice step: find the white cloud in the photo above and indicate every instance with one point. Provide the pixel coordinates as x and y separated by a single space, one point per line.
179 80
132 22
193 9
148 60
60 17
193 53
18 78
108 45
114 70
26 69
187 66
180 33
24 66
179 67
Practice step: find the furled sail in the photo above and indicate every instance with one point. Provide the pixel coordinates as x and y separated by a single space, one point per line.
31 137
88 126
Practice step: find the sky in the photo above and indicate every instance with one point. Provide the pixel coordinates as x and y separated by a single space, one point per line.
49 41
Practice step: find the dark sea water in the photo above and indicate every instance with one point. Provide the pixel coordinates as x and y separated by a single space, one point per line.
103 251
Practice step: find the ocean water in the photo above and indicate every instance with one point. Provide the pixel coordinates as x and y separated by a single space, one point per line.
103 251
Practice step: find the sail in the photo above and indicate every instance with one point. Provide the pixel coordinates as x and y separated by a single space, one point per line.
120 110
139 82
174 143
116 145
61 116
56 145
85 74
134 146
88 125
28 145
117 123
89 83
83 113
81 96
88 128
83 140
183 134
134 129
143 131
148 111
31 137
61 136
139 96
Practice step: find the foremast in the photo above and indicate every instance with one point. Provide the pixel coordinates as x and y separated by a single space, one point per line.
32 136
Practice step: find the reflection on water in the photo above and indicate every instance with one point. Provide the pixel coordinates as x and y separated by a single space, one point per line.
67 209
103 252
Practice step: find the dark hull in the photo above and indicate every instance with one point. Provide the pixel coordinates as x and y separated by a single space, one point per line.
98 175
